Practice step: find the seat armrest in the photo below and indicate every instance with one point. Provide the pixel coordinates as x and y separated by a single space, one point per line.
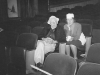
81 63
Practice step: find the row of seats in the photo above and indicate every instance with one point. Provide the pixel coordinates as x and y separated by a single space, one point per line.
24 43
19 55
66 65
20 51
89 11
86 28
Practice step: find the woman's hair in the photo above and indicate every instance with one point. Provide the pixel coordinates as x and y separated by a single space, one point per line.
53 18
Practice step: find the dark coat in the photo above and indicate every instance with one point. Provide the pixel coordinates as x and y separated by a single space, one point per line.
59 33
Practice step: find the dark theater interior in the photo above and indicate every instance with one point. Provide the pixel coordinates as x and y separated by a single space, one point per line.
24 22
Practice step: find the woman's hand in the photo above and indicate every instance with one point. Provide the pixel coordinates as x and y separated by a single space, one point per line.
69 38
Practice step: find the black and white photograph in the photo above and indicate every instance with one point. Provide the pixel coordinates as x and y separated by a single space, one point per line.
49 37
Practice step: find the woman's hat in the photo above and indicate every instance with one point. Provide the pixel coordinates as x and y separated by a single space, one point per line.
70 16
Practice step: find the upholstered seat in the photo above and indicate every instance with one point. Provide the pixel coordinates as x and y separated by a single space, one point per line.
23 29
93 54
87 30
89 69
40 31
60 64
17 59
28 41
33 24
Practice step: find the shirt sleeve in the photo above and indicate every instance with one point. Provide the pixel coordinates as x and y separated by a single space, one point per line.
66 29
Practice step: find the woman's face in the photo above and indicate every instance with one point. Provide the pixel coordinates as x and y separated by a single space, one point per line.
70 21
53 24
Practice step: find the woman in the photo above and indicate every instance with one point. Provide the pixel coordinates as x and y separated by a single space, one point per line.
74 36
48 43
43 46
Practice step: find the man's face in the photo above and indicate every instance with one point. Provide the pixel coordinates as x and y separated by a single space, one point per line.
70 21
53 24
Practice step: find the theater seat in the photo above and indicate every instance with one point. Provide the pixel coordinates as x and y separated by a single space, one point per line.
87 30
17 61
23 29
85 21
3 61
11 38
89 69
96 35
28 41
40 31
93 54
33 24
60 64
